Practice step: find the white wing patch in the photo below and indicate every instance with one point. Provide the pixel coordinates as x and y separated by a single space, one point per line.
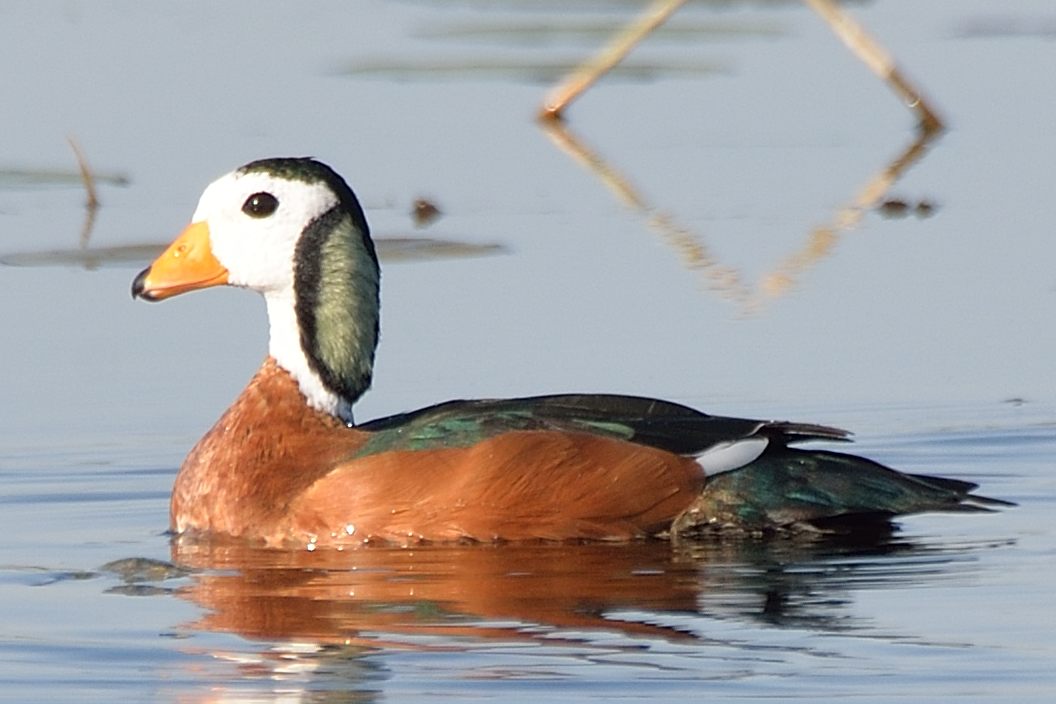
725 456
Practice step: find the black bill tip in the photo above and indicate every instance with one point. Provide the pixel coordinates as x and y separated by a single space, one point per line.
139 287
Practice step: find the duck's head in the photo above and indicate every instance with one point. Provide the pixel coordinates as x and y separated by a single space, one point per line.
293 230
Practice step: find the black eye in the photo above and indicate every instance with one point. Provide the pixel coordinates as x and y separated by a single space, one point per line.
260 205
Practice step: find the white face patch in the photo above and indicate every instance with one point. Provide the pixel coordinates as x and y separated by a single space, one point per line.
258 252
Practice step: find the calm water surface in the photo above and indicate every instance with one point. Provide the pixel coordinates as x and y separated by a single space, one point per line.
729 269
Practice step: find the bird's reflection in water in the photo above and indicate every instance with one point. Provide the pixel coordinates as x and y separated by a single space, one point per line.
336 624
436 596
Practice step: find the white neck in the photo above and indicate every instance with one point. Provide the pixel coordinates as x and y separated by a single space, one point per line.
284 345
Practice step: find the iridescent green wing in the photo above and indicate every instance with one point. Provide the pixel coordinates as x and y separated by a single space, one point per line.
661 424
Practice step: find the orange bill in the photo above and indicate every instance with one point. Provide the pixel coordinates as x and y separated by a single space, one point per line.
188 264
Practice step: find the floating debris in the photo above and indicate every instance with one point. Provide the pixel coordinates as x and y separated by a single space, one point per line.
424 212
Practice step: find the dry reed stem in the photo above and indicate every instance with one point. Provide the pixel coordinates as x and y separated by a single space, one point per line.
879 61
587 73
91 203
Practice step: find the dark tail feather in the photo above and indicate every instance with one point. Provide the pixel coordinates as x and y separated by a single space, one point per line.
959 486
791 488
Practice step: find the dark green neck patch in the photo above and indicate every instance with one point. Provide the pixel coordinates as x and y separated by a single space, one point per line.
336 281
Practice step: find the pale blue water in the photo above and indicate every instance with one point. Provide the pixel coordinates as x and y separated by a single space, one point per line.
931 337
